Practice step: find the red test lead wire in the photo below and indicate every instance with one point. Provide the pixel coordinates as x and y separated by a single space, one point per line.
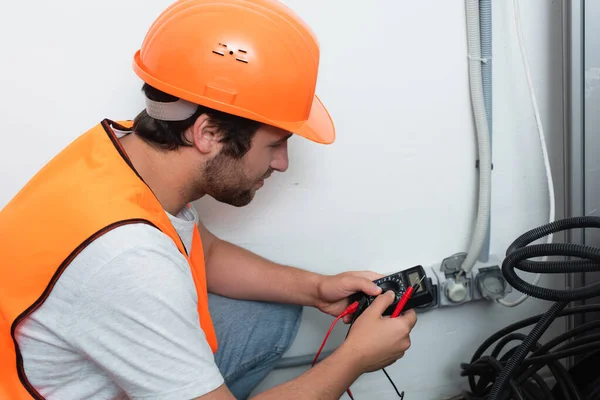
349 310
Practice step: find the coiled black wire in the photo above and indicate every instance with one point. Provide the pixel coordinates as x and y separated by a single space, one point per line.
515 375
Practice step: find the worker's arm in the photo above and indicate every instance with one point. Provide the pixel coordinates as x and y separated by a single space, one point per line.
373 343
238 273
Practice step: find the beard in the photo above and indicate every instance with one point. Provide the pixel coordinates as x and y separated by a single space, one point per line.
226 181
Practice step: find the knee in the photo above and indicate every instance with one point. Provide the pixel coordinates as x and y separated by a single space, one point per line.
271 326
293 318
285 319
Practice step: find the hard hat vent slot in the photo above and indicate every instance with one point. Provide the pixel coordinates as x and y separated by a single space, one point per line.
231 52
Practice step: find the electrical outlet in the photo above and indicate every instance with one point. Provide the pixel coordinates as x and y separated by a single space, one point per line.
490 283
484 282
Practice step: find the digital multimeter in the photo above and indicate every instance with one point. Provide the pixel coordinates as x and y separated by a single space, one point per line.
399 283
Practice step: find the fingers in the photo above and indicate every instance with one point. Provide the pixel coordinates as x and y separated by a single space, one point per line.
410 317
381 302
348 318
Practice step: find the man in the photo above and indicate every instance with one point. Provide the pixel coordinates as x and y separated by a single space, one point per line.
106 269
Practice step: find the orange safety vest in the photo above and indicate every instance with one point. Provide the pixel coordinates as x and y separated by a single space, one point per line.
85 191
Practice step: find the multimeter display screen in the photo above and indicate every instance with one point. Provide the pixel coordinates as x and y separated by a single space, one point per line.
413 278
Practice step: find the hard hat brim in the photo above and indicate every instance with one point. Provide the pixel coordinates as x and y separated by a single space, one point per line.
319 127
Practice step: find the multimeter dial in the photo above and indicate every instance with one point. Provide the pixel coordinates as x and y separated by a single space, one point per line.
392 282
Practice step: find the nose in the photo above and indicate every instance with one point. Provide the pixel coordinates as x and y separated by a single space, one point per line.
280 161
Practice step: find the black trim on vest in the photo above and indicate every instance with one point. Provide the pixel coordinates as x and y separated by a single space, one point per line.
106 124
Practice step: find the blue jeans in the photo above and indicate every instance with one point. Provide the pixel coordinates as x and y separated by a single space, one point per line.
252 338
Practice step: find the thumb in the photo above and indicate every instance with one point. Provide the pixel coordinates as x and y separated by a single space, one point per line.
382 302
365 285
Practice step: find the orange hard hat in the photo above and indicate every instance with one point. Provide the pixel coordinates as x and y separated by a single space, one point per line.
252 58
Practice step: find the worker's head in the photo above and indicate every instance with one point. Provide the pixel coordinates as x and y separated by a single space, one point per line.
237 77
235 154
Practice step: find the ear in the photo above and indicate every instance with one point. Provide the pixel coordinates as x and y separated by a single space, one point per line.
204 135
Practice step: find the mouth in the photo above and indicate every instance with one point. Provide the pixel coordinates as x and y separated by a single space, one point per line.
268 174
262 180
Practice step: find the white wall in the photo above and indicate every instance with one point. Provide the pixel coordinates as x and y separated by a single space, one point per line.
398 188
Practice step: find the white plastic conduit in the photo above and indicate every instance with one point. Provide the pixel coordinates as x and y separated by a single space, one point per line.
483 136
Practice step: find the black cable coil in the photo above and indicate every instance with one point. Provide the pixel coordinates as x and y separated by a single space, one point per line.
516 374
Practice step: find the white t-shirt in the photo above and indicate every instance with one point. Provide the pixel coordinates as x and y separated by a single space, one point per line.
122 322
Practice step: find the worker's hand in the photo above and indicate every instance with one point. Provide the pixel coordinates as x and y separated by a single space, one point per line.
333 291
377 341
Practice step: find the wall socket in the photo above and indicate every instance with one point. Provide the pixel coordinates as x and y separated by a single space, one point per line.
484 282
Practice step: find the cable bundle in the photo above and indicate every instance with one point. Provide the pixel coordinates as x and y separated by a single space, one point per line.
515 373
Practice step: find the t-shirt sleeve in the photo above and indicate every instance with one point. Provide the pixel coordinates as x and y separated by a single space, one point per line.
137 319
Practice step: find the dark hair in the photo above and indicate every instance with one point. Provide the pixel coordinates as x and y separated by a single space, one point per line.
236 133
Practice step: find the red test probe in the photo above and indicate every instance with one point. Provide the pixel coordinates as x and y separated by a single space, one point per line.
405 297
